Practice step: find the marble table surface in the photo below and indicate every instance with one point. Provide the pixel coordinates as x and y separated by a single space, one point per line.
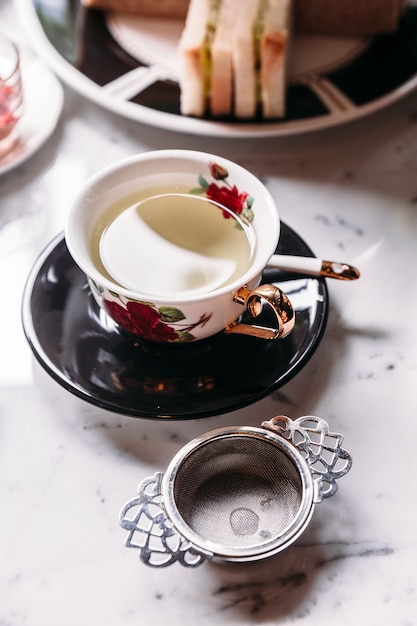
67 466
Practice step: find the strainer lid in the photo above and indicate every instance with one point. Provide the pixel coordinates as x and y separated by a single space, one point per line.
236 494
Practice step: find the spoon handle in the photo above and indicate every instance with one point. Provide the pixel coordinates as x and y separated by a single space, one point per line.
313 266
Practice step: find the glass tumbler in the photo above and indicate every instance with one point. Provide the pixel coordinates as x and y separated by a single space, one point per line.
11 97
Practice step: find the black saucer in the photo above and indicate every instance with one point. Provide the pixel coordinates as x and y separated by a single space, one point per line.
90 356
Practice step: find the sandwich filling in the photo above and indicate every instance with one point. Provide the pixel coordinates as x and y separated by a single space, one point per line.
258 31
205 56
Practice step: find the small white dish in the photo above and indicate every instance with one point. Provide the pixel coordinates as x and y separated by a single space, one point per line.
43 100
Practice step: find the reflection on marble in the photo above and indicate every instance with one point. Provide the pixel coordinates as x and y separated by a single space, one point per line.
67 467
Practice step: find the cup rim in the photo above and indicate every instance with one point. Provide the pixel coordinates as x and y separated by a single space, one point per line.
94 274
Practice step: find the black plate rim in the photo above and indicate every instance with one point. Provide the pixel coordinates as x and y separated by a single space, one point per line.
74 388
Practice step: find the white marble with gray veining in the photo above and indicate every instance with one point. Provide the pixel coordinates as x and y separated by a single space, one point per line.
67 467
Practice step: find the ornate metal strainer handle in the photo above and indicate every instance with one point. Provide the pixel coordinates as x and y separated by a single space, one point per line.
320 448
150 531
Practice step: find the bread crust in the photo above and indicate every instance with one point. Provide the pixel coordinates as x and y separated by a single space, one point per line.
152 8
355 18
244 62
192 79
274 54
221 76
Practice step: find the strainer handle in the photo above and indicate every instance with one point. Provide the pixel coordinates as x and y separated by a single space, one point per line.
151 532
320 448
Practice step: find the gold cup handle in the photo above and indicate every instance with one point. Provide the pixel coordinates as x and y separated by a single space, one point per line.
254 300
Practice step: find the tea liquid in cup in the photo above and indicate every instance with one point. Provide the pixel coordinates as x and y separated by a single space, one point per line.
176 244
11 98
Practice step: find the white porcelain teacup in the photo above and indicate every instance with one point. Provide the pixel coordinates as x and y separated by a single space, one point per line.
158 309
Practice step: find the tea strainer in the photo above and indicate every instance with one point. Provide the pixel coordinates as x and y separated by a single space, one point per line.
236 493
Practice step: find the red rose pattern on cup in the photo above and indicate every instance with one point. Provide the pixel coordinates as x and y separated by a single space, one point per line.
7 117
240 202
150 322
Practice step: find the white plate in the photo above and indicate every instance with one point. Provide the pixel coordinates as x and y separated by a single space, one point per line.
319 96
155 41
43 100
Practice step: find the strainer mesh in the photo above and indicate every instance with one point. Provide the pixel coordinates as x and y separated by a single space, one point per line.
238 491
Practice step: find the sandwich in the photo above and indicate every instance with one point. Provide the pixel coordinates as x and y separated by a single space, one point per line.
233 58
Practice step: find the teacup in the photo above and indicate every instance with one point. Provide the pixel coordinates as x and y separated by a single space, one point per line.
154 313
